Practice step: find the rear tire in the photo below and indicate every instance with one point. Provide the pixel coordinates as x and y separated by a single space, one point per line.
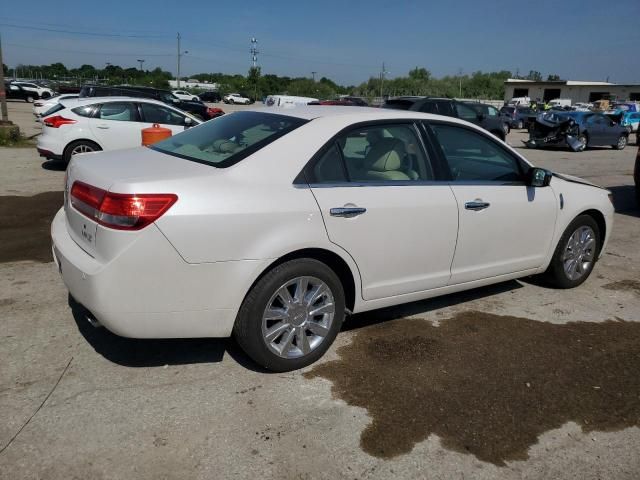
520 125
29 99
576 253
305 336
79 146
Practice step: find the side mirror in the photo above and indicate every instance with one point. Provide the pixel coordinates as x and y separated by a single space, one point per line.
539 177
188 123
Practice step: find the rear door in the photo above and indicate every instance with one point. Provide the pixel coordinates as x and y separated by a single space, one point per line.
117 125
165 117
505 226
376 189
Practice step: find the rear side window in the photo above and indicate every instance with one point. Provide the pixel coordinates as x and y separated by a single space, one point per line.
376 153
230 138
84 111
119 111
56 108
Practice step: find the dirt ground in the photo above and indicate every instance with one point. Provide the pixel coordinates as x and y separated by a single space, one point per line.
510 381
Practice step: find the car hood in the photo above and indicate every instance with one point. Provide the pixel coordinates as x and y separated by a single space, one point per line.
572 179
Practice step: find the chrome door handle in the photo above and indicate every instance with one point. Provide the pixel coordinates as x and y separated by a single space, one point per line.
476 205
347 211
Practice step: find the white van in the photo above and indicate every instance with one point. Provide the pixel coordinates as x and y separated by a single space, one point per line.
515 101
287 100
560 102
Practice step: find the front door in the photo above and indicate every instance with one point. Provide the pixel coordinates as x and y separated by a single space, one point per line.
505 226
165 117
375 189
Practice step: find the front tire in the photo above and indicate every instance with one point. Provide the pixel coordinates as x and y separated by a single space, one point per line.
576 253
291 316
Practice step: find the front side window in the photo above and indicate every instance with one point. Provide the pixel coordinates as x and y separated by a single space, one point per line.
157 114
377 153
230 138
118 111
473 156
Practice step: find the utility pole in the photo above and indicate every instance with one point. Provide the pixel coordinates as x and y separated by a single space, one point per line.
140 61
460 83
383 72
313 75
3 93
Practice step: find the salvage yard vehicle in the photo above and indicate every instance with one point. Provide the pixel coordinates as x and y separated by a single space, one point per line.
83 125
519 116
272 227
578 130
36 90
450 108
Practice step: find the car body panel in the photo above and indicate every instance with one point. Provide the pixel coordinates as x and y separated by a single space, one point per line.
187 274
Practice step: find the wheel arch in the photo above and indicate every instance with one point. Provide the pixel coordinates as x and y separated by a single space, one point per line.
64 151
329 258
598 217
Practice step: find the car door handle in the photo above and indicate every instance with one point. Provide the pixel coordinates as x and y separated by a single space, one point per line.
476 205
102 126
347 211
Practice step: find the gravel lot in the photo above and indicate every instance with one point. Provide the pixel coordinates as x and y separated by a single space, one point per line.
509 381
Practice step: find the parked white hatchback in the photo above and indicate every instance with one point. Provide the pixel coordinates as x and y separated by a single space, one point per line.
82 125
272 227
42 106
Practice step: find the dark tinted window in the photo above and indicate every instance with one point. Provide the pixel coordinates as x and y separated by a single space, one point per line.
446 108
329 168
56 108
466 113
398 104
230 138
429 107
474 156
157 114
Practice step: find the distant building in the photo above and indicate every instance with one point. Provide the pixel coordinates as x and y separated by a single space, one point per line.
575 90
192 83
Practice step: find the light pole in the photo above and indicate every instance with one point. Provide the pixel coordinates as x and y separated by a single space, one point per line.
180 53
140 61
3 95
313 75
383 72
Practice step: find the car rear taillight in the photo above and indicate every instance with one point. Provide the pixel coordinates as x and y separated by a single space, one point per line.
121 211
57 121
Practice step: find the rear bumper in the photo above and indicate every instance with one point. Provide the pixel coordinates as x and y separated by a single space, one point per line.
50 147
148 291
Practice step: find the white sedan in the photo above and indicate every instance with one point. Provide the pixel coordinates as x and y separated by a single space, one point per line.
184 95
273 227
82 125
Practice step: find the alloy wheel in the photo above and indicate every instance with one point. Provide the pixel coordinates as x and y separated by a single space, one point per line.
579 253
298 317
82 148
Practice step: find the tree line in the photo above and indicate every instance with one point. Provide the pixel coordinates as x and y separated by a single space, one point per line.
418 81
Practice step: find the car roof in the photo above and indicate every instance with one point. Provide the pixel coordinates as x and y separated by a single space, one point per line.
311 112
91 100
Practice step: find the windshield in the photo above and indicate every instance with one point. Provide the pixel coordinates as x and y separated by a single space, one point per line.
230 138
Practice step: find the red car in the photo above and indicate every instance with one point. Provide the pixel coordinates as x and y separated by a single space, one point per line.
214 112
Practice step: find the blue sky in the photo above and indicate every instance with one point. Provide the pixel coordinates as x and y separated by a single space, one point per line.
344 40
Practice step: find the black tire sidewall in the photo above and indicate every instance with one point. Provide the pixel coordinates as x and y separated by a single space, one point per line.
67 151
555 273
248 326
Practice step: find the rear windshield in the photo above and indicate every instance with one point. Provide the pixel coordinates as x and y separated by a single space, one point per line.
228 139
56 108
